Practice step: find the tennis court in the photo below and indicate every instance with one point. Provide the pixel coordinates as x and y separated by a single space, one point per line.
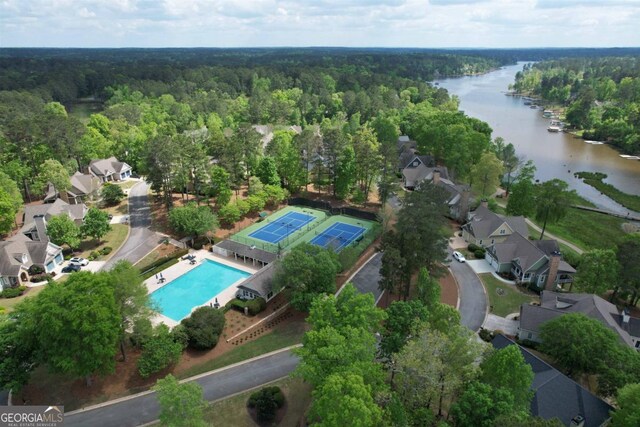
338 236
281 227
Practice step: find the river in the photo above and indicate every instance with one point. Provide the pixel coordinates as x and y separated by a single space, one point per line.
556 155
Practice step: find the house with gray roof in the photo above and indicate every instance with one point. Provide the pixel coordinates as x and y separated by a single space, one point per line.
537 262
558 396
110 169
76 212
486 227
554 304
83 187
259 285
18 253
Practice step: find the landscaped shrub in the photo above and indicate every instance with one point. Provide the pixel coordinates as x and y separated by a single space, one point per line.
158 351
67 257
254 306
204 327
93 255
40 278
34 269
486 335
106 250
13 292
480 253
266 402
180 335
473 247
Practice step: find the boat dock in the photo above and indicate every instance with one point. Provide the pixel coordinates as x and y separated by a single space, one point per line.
631 216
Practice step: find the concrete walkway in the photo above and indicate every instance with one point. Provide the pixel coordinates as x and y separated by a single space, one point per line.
143 408
480 266
508 326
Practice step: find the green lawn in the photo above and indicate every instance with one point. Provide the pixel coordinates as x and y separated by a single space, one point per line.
114 239
265 344
121 208
234 410
9 303
504 298
125 185
587 229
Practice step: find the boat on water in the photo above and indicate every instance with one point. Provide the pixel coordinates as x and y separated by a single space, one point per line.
626 156
588 141
527 102
555 126
547 114
534 106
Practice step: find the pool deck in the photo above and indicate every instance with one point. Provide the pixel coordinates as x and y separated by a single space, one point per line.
184 266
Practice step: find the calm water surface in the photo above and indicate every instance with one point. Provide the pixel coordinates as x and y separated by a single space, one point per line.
556 155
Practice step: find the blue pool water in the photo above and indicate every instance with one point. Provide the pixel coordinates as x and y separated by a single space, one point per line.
194 288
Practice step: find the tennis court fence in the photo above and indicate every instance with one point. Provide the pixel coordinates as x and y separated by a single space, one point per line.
326 206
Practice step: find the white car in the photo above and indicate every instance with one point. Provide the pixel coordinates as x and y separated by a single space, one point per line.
79 261
458 256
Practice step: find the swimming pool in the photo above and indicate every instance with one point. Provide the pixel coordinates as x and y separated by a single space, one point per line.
177 298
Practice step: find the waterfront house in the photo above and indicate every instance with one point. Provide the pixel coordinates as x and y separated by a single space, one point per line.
486 227
557 396
554 304
537 262
110 169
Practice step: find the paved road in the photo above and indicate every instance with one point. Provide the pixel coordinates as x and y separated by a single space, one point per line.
217 385
473 301
366 280
141 240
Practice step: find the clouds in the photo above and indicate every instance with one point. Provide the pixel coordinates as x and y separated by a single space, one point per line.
415 23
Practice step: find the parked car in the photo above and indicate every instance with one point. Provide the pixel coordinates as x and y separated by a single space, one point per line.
79 261
71 268
458 256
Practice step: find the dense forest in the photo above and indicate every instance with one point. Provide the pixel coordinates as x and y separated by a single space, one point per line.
171 113
601 95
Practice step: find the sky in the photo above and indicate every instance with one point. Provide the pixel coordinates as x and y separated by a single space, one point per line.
354 23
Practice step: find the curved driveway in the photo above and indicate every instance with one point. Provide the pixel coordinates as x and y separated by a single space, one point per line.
143 408
141 240
473 299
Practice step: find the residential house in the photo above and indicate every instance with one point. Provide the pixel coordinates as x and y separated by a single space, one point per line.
554 304
83 186
19 253
538 262
486 227
558 396
110 169
58 207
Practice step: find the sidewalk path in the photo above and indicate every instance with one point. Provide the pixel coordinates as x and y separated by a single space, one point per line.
143 408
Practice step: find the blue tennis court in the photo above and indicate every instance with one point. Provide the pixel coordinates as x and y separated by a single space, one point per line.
338 236
279 228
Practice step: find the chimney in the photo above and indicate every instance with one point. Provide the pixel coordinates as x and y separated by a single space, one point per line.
41 228
436 176
485 203
554 263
